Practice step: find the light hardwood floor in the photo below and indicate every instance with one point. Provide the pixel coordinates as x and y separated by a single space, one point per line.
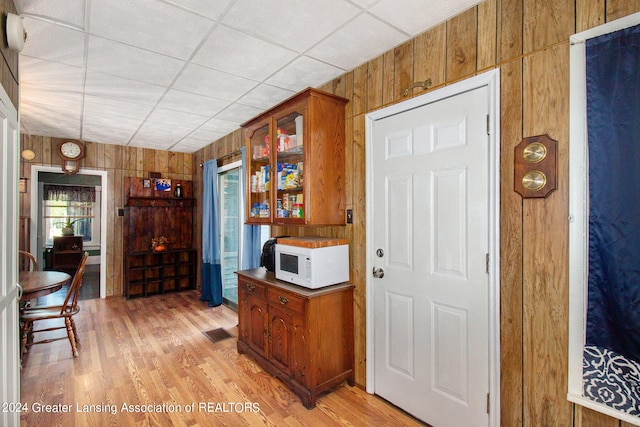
152 351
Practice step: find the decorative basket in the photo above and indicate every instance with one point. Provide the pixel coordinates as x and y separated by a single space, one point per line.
159 244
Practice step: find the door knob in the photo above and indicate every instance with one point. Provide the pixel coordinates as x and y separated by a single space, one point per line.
378 273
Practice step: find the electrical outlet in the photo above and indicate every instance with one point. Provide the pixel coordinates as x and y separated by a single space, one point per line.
349 216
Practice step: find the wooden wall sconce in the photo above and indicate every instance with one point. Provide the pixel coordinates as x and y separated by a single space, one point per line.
535 166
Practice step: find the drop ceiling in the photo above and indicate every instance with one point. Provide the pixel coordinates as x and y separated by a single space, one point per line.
178 75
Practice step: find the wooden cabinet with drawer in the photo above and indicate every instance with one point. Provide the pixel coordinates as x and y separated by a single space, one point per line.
302 336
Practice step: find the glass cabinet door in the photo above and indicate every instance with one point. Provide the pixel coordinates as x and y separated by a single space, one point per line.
259 179
289 173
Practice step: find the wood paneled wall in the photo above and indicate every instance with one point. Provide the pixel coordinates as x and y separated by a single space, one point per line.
528 41
9 66
119 162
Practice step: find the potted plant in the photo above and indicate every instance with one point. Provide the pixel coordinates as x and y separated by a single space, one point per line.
67 228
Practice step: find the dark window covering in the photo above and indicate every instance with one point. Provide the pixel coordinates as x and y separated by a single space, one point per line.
613 121
69 193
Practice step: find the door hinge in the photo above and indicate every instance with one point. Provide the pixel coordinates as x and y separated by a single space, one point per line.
488 125
488 402
487 262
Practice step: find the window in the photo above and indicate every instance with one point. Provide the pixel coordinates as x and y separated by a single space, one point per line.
604 328
83 214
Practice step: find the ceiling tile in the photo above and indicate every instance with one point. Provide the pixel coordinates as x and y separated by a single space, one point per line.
204 135
417 16
39 119
219 125
150 24
106 132
158 136
176 119
238 53
361 34
297 24
152 140
120 119
115 108
189 145
180 148
213 83
68 103
53 42
69 13
62 77
191 103
39 122
112 87
304 72
131 62
210 9
265 96
238 113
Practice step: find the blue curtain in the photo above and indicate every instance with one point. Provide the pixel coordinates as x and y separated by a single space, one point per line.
211 274
250 233
613 117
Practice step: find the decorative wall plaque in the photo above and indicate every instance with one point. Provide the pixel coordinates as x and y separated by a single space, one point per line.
535 166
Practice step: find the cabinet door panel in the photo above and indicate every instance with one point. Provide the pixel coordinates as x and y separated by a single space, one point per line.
259 203
289 172
257 325
280 324
299 351
243 315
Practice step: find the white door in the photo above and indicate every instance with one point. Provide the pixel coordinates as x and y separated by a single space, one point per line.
9 166
430 177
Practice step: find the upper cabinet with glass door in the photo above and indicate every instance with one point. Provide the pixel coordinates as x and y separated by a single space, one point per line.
296 162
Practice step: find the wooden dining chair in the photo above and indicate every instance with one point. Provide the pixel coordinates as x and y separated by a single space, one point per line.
66 311
27 261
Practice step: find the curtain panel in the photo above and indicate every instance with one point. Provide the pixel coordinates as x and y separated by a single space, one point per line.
611 363
69 193
211 269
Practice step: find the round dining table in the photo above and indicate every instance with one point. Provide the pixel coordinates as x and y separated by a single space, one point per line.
36 284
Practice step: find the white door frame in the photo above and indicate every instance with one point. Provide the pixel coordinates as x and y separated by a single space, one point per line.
490 79
35 169
10 290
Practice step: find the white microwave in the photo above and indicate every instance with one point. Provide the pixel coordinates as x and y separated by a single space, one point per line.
312 267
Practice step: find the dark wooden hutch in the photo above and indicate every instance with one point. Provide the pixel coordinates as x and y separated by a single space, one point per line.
152 213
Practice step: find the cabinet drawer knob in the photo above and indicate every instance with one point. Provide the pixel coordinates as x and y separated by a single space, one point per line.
251 286
283 300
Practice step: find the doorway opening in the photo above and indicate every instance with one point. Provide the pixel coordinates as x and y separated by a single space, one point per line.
91 221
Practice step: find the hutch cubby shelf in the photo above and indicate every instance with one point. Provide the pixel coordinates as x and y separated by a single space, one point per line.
152 213
150 273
